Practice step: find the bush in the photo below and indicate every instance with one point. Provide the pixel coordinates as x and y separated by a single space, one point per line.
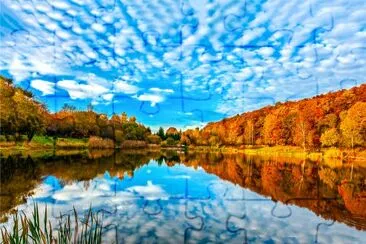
154 139
98 142
133 144
118 136
333 153
10 138
171 142
2 138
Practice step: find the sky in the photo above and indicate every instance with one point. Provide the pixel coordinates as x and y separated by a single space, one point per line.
181 63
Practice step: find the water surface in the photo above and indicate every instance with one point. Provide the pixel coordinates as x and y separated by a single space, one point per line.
197 198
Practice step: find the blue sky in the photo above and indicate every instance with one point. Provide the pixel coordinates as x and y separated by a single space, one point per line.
181 63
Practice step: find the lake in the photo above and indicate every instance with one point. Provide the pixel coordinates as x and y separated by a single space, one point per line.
176 197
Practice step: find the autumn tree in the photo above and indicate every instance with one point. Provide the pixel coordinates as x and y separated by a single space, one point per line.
330 138
249 132
289 122
124 117
7 105
29 114
173 133
301 123
353 125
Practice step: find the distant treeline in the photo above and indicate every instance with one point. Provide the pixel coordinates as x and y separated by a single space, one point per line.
333 119
21 114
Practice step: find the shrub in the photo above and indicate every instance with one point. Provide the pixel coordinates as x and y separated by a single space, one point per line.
171 142
2 138
154 139
133 144
333 153
98 142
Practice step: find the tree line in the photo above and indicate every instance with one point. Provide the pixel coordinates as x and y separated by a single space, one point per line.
334 119
21 114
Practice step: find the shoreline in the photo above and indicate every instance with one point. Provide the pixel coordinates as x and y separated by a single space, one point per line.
289 151
72 144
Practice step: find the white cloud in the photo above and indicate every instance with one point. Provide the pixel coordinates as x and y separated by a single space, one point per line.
46 87
159 90
108 96
152 98
78 90
125 87
274 50
149 192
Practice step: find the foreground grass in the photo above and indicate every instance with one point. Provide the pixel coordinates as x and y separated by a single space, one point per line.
69 229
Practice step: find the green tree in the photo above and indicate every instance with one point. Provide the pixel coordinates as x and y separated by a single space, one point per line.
68 107
161 133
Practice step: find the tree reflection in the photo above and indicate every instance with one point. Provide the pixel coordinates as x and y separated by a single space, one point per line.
327 191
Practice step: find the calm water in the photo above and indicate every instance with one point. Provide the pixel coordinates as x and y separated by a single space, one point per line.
195 198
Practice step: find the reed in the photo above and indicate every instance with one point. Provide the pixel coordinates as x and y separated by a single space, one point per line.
31 229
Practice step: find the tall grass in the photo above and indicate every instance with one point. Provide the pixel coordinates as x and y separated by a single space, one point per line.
31 229
72 143
133 144
100 143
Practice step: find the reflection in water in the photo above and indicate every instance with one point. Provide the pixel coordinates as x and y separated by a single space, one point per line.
193 197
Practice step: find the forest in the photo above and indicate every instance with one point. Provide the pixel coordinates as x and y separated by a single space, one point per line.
22 117
335 119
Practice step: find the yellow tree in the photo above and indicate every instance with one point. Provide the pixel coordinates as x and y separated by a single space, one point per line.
249 132
7 105
330 137
30 115
269 129
353 125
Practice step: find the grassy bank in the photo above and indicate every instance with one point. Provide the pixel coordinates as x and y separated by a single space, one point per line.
289 151
43 143
46 142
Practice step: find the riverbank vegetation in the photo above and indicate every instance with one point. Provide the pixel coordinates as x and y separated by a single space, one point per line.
332 125
333 120
26 123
